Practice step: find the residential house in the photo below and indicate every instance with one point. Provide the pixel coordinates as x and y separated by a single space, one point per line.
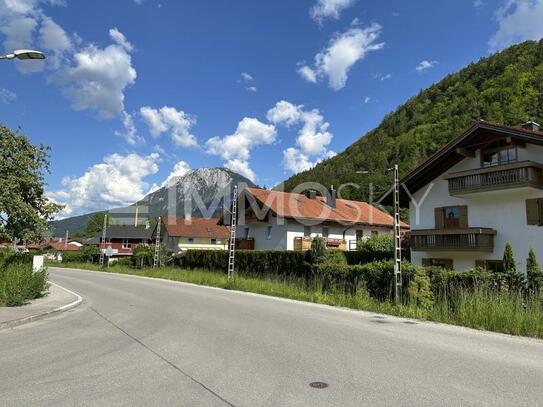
274 220
180 234
55 248
124 239
480 191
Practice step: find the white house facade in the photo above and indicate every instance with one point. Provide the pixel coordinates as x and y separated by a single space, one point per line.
273 220
480 192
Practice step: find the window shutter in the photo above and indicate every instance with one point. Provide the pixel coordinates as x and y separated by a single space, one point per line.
463 222
532 211
439 218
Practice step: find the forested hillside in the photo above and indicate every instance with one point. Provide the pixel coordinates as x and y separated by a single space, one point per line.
506 88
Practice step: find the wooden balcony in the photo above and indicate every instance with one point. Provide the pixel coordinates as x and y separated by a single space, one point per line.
453 240
304 243
516 175
245 244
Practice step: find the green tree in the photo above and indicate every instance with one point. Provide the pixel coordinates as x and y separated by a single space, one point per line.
95 224
24 209
508 259
318 250
420 292
90 252
533 273
143 255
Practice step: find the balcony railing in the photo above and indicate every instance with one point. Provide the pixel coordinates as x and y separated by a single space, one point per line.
521 174
468 239
304 243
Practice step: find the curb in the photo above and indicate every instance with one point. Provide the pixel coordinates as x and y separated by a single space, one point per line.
37 317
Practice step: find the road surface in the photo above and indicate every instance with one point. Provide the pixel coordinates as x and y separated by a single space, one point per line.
137 341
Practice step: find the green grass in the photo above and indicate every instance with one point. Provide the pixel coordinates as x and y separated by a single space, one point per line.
500 312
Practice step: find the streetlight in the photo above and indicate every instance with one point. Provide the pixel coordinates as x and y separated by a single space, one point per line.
397 233
24 54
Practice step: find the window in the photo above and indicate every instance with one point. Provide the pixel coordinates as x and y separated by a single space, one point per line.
534 211
451 217
126 244
495 266
359 234
190 240
307 231
246 232
269 233
498 156
325 231
443 263
213 241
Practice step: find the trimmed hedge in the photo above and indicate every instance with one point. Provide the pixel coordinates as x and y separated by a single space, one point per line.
251 262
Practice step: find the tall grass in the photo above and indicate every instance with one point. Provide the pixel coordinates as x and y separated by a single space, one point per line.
480 308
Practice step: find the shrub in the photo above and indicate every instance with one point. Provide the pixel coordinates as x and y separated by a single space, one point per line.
420 293
533 273
508 259
143 256
373 248
251 262
18 283
318 250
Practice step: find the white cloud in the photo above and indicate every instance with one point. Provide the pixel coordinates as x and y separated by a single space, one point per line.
324 9
7 96
382 76
519 20
180 169
367 99
120 39
425 65
241 167
130 133
98 78
307 73
343 51
167 118
246 77
313 137
53 37
249 134
117 181
478 3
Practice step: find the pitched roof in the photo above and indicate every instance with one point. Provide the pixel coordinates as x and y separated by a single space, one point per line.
298 206
61 246
197 227
430 168
128 232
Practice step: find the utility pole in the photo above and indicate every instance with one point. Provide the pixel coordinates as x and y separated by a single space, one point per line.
156 261
233 224
103 241
397 239
66 241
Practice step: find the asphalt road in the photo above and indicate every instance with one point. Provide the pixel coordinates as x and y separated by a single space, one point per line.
137 341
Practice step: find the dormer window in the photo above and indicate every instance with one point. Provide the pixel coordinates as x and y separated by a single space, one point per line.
499 156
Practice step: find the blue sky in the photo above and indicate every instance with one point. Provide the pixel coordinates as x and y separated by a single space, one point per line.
135 91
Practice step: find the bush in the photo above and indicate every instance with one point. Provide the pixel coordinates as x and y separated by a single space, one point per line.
267 263
8 256
18 284
87 254
420 293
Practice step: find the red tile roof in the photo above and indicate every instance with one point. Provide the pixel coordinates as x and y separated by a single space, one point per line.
61 246
291 205
197 227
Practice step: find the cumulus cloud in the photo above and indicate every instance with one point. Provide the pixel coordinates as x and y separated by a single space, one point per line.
180 169
329 9
249 133
313 136
98 78
130 133
343 51
117 181
169 119
236 148
519 20
241 167
424 65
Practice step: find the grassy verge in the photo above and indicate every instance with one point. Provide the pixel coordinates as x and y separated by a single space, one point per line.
499 312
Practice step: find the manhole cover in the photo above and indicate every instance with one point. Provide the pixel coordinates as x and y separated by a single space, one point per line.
318 385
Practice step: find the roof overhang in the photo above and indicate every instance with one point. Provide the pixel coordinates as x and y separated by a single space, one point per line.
477 136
